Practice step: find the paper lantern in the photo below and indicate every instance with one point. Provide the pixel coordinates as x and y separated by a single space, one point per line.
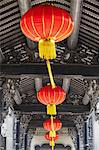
51 97
52 139
47 24
57 124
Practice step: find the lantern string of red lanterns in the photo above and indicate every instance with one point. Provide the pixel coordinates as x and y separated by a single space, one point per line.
48 126
47 24
50 96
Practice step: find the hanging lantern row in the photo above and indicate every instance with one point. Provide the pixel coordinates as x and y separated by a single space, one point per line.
52 125
47 24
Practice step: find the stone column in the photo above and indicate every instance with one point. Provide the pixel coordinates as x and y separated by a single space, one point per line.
24 121
78 146
1 99
7 129
79 121
25 141
86 135
17 134
30 136
91 132
2 144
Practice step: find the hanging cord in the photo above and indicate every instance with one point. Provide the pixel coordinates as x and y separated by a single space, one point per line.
52 144
50 74
52 123
52 126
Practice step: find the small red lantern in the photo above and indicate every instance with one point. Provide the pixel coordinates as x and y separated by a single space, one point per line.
47 137
52 139
51 97
57 124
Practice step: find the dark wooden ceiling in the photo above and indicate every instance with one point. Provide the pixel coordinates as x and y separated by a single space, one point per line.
14 46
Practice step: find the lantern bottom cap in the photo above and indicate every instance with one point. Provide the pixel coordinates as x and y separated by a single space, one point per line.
51 109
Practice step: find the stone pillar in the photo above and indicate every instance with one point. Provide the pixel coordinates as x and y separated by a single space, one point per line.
17 134
79 121
30 136
1 96
1 99
24 121
91 132
25 141
2 144
7 129
86 135
78 146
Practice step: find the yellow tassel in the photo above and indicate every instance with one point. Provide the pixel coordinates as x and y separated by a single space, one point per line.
52 133
51 109
52 143
47 49
50 74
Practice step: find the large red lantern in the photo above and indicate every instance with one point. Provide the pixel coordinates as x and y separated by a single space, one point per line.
47 24
51 97
46 21
57 124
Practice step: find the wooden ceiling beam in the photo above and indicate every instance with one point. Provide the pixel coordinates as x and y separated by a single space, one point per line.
58 69
61 109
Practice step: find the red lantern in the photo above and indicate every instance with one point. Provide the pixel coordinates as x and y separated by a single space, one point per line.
47 137
52 139
51 97
46 24
45 21
57 124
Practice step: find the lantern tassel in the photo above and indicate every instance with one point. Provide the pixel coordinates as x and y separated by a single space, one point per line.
51 109
47 49
50 74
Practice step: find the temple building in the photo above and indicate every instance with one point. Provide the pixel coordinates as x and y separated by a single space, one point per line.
49 75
